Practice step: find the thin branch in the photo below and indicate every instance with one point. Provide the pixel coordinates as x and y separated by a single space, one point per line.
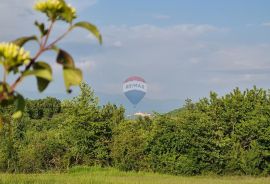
47 35
58 39
2 97
42 48
33 60
4 75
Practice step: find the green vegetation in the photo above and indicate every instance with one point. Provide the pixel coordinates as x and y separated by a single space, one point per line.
96 175
227 135
14 59
58 135
219 136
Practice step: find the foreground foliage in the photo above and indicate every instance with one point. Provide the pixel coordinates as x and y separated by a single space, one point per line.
14 59
227 135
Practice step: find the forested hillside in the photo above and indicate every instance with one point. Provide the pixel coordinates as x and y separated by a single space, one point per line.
221 135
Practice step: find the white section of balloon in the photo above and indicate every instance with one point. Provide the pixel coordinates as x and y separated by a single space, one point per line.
135 85
134 89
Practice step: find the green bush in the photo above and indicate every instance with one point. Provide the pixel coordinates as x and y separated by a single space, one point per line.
129 147
216 135
221 135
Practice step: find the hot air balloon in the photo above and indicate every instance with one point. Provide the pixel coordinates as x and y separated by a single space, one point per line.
134 89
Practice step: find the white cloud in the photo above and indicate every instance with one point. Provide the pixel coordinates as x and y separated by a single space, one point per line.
248 57
118 44
151 31
265 24
250 25
86 65
83 4
15 15
162 55
185 60
161 17
178 60
19 15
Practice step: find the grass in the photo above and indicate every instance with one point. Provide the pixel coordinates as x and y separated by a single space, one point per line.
95 175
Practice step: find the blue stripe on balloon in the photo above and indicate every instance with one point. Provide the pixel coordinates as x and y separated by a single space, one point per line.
134 96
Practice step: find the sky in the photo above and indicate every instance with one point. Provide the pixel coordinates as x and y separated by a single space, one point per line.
182 48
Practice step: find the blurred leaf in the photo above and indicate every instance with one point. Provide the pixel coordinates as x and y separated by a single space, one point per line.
90 27
43 82
6 92
17 114
19 103
1 122
23 40
44 73
72 76
65 59
41 28
55 48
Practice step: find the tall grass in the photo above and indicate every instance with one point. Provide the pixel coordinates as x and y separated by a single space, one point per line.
97 175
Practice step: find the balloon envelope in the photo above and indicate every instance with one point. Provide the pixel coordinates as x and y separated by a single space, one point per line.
134 89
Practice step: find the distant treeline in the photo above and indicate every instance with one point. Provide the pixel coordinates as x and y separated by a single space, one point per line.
217 135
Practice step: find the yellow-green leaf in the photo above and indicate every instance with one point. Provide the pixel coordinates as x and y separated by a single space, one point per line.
41 27
1 122
90 27
72 76
19 106
17 115
21 41
41 70
41 73
43 82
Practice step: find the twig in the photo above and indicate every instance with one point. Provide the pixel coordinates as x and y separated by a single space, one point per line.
33 60
42 48
58 39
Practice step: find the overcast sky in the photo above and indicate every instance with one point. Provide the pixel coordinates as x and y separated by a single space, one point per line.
182 48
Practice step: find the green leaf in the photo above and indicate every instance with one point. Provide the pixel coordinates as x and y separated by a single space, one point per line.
90 27
17 114
1 122
55 48
65 59
41 70
43 73
6 92
72 77
19 105
41 28
43 82
23 40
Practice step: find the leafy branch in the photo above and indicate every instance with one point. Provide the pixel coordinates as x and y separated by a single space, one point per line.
13 56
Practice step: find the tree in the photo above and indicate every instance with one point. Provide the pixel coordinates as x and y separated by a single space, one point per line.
88 128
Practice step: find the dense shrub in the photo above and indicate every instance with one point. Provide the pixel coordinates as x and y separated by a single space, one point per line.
220 135
129 147
57 135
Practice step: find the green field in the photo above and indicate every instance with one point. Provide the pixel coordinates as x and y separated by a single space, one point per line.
113 176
